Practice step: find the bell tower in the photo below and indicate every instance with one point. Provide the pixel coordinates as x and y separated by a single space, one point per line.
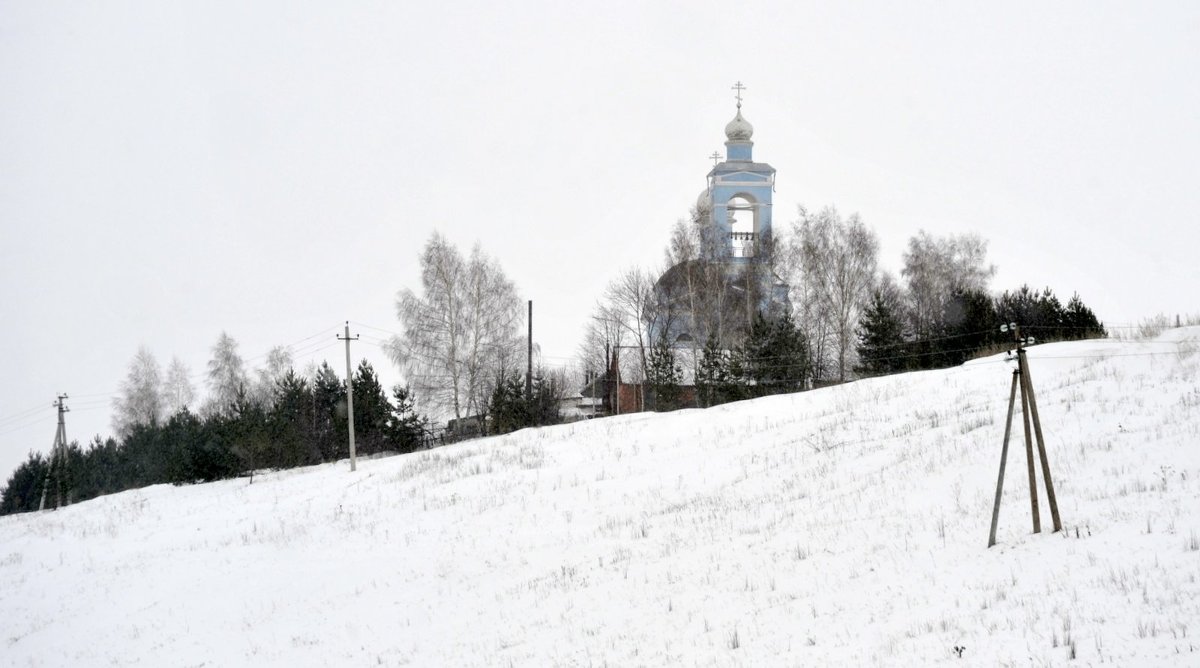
733 217
738 196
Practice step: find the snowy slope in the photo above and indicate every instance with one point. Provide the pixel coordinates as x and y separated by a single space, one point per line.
844 526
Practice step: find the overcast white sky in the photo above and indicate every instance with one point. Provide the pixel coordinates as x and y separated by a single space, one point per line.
270 169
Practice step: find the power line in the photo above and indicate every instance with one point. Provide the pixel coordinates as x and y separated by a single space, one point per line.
40 420
17 416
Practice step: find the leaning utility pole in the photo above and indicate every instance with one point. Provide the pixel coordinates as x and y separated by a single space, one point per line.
58 455
350 392
1029 415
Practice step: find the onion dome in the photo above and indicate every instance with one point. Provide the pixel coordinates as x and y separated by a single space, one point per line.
739 129
704 201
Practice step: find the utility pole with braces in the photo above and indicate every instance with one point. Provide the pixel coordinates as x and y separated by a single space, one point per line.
1029 415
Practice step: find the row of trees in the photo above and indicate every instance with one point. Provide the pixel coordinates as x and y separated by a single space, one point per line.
461 351
301 420
146 397
968 325
849 317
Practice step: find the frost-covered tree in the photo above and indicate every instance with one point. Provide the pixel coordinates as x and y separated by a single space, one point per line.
226 377
141 398
267 378
459 332
936 270
178 391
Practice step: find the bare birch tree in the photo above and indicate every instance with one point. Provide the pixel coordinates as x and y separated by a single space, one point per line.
629 301
601 336
458 331
602 340
837 262
696 284
494 318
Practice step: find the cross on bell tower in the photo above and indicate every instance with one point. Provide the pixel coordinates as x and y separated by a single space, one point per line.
738 87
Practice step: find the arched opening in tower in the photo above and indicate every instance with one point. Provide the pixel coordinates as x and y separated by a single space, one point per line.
741 227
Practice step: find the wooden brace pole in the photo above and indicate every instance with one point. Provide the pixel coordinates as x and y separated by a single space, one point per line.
1033 496
1041 443
1012 401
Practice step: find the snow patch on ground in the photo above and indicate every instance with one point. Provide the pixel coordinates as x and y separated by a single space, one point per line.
843 526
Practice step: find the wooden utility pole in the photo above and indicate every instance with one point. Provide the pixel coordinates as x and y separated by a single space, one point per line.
350 393
529 358
1029 417
58 457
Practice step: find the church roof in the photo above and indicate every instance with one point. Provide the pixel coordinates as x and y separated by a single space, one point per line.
733 166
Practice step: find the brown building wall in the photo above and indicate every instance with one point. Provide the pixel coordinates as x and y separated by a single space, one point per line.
631 398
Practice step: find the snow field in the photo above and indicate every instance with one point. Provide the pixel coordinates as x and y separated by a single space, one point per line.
843 526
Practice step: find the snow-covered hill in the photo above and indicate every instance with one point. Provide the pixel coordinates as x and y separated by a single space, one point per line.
844 526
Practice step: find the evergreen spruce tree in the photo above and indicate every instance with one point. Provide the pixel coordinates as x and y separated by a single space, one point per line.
293 439
1049 317
970 324
250 433
371 411
181 438
145 456
545 403
508 408
713 375
1079 322
23 490
663 376
1039 314
329 414
213 456
98 468
775 357
406 428
881 344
